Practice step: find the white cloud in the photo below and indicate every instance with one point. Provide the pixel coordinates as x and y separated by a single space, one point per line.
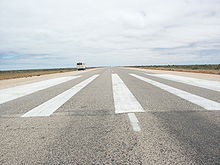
116 32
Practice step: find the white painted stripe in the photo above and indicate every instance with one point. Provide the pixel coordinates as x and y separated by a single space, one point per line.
23 90
47 108
124 100
213 85
134 122
203 102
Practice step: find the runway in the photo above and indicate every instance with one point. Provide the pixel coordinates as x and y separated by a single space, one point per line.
112 115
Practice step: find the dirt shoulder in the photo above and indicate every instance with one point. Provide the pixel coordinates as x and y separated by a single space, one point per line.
206 76
30 73
7 83
207 69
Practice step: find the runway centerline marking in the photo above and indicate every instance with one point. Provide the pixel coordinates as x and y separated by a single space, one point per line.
201 101
23 90
134 122
212 85
50 106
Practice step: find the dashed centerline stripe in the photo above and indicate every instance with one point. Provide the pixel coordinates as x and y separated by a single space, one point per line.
47 108
125 102
201 101
134 122
23 90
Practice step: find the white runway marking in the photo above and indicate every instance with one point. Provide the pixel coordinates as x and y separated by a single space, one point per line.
134 122
124 100
47 108
23 90
203 102
213 85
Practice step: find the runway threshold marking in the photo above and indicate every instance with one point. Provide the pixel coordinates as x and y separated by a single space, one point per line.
212 85
23 90
49 107
125 102
201 101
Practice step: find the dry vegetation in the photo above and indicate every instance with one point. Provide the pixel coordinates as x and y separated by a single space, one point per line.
30 73
210 69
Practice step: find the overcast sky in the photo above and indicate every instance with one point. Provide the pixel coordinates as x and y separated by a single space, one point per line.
59 33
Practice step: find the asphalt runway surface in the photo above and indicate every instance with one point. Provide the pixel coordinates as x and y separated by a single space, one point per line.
111 116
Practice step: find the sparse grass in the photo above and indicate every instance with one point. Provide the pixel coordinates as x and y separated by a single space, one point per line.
210 69
29 73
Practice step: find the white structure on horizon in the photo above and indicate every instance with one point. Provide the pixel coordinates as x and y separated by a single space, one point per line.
81 66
